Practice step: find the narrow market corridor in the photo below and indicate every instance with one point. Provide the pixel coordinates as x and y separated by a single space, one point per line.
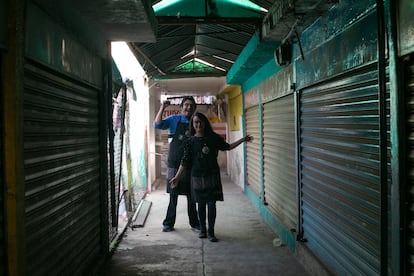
245 247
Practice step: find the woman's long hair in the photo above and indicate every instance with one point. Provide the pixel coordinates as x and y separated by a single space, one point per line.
208 130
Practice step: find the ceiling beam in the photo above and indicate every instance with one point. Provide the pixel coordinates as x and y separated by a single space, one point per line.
138 51
174 20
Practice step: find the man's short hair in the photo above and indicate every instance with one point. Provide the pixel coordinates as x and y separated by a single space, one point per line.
188 98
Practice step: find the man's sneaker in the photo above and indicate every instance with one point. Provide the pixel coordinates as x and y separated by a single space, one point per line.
195 228
202 235
167 228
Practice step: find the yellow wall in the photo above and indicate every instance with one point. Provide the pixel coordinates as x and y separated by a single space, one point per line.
235 107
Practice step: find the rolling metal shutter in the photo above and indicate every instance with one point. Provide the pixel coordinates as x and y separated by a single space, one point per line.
253 158
62 173
340 181
408 252
279 166
119 129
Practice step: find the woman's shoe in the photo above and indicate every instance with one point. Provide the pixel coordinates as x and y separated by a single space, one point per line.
167 228
212 238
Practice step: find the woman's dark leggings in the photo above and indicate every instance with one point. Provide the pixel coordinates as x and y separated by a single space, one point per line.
211 206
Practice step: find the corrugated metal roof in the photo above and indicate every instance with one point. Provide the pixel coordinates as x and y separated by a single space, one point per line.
170 37
212 40
215 32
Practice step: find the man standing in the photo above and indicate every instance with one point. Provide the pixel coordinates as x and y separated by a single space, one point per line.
178 133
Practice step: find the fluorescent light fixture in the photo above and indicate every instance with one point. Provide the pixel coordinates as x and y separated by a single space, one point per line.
164 4
209 64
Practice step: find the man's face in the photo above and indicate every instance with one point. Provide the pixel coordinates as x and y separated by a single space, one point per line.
188 108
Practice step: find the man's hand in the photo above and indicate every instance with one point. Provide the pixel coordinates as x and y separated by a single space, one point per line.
158 118
165 104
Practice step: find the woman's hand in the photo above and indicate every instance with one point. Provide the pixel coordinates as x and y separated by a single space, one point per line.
248 138
174 182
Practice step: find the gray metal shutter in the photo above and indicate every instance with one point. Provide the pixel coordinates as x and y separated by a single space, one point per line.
253 158
340 182
279 166
119 130
62 173
113 152
408 240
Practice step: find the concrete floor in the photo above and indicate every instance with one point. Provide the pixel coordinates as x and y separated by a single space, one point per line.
245 244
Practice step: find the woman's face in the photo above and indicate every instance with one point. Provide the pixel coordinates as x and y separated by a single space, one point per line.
198 125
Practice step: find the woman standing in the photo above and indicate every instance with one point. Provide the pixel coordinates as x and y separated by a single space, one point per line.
200 156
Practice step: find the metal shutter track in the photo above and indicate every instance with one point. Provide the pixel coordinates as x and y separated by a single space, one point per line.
410 166
279 159
253 150
340 172
61 155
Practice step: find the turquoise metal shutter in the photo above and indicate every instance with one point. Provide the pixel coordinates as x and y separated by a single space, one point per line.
340 181
279 166
62 173
253 158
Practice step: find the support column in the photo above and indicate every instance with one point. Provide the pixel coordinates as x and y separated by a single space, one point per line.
12 109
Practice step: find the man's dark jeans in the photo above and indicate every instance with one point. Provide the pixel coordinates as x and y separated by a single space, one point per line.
172 212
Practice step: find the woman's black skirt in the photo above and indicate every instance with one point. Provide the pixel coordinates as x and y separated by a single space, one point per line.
207 188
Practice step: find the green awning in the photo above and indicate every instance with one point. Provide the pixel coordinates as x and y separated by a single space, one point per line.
208 8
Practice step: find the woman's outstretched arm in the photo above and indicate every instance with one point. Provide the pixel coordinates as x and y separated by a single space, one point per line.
246 138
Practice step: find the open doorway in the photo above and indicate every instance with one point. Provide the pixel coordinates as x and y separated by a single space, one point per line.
129 113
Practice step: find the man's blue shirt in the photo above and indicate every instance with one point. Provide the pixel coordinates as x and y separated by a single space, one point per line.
171 122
